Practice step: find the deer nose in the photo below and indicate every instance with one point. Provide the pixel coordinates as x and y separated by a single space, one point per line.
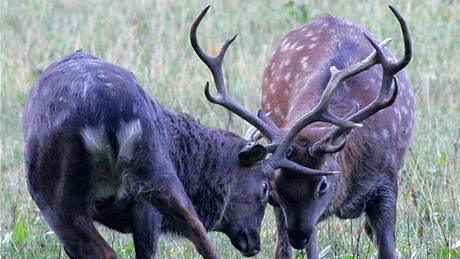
242 244
251 252
299 239
298 243
248 244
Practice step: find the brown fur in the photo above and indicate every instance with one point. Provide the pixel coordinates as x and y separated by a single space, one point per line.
294 80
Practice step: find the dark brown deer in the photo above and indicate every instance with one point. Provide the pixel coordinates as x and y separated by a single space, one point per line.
99 148
326 67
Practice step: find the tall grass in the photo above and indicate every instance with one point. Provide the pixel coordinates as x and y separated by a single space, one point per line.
150 38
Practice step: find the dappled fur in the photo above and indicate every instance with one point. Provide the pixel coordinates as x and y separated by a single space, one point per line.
294 80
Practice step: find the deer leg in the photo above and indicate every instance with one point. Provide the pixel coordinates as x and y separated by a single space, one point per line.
312 246
381 217
74 228
161 187
60 185
115 214
368 229
146 229
132 215
283 249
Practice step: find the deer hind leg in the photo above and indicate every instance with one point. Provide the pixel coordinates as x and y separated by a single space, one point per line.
283 249
78 235
160 186
71 220
59 180
381 219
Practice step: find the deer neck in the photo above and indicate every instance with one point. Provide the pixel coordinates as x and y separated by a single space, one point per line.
203 159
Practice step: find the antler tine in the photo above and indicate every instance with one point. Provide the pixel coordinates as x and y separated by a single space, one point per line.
387 94
214 63
194 41
407 41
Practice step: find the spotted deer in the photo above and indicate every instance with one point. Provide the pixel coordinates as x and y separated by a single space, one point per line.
322 71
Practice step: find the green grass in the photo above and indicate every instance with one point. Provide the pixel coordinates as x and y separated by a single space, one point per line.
150 38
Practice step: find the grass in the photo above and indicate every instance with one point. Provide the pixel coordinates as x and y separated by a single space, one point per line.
150 38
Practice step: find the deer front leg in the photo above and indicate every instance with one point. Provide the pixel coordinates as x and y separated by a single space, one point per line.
146 229
283 249
312 246
132 215
161 187
381 218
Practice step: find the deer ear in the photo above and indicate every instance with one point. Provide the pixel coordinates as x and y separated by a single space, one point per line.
252 153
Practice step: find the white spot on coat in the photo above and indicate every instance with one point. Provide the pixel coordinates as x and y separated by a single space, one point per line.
265 80
304 62
285 47
404 110
385 134
398 113
286 62
264 98
277 110
287 76
272 89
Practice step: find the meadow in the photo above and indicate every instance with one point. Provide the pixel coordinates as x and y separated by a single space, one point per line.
150 38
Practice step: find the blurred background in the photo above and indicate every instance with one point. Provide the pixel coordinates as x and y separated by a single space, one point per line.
150 38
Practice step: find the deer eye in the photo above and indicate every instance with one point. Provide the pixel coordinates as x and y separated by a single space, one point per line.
323 186
290 152
265 190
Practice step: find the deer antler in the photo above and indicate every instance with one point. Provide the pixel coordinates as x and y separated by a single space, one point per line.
386 97
320 112
215 65
279 145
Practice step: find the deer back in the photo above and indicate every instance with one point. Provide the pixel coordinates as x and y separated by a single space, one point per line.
298 71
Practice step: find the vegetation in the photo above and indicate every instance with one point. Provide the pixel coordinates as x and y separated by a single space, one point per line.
150 38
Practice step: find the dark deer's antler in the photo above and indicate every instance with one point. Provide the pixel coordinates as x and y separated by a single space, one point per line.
215 65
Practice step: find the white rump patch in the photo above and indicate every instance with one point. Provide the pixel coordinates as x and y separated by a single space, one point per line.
128 136
110 172
95 139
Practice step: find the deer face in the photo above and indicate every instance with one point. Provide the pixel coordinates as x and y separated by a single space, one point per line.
248 198
303 199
